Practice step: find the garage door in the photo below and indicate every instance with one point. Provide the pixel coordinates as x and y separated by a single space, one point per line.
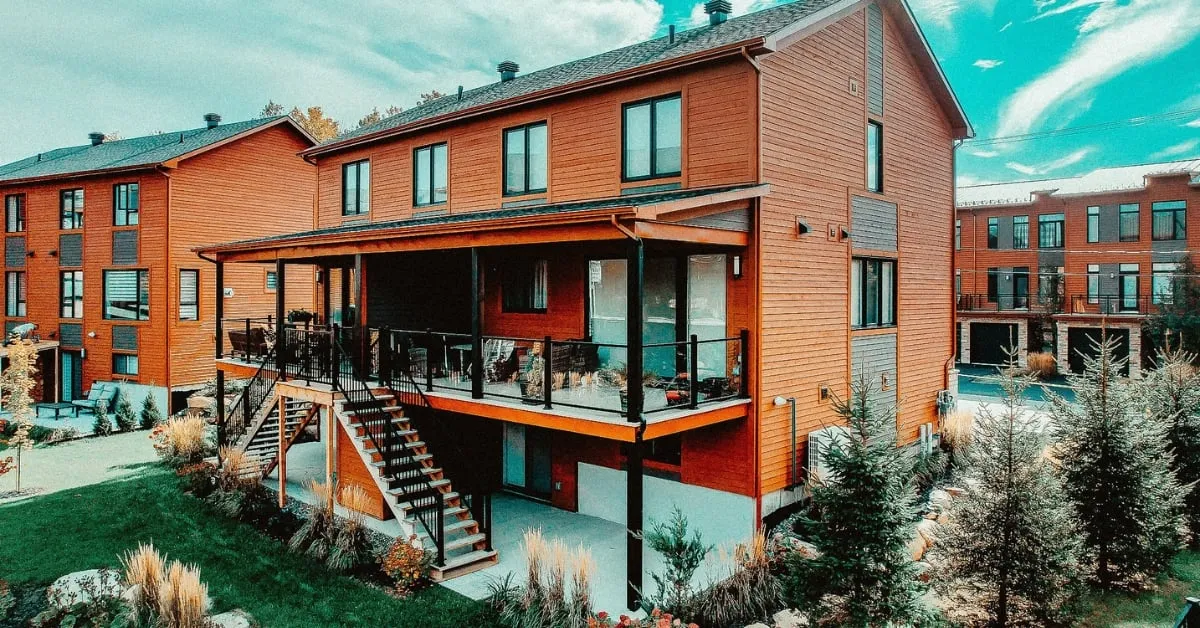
990 341
1083 341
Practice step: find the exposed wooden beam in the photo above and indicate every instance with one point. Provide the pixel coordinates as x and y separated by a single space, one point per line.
687 233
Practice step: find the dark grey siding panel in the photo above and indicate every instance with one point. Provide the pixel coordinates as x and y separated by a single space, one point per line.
1048 257
125 338
875 60
735 220
1004 282
125 247
14 251
875 356
1004 233
70 334
873 224
70 249
1110 225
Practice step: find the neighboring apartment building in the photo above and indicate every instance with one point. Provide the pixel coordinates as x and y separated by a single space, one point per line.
1044 265
591 284
98 249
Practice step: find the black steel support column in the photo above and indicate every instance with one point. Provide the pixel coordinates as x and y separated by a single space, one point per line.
476 326
360 340
326 305
345 318
280 316
635 293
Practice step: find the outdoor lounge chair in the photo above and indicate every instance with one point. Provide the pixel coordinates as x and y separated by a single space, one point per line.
99 398
254 344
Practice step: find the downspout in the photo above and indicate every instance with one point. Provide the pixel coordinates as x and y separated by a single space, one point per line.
953 261
167 250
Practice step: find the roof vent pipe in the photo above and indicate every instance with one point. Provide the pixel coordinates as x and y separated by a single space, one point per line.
671 34
718 11
96 138
211 120
508 70
460 90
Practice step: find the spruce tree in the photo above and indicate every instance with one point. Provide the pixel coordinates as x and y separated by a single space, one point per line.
126 419
1172 396
1013 539
1117 472
151 416
865 517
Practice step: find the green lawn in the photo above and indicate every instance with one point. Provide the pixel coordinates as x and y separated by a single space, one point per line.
86 528
1153 608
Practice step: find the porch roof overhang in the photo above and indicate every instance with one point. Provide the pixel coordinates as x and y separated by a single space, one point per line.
650 216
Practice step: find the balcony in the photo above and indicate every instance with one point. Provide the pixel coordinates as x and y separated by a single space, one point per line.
1007 303
1110 305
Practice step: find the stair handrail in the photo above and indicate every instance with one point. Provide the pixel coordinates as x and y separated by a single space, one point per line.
373 415
249 402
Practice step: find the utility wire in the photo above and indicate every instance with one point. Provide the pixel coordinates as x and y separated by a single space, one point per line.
1169 116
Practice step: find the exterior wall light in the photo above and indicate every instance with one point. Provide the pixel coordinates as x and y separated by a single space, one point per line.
737 266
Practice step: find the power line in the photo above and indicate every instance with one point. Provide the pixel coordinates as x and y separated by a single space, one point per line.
1169 116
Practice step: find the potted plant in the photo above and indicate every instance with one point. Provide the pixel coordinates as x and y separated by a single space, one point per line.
300 316
532 386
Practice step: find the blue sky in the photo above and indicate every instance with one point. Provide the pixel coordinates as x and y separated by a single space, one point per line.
140 66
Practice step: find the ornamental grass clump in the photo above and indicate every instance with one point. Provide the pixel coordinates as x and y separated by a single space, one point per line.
557 588
316 535
351 549
144 569
181 440
1041 365
751 593
167 595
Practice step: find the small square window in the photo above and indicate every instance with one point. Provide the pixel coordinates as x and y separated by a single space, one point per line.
126 204
124 364
272 281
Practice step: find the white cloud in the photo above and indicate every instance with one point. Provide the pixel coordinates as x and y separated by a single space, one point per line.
1133 34
937 12
983 153
1050 166
1005 27
987 64
740 7
967 180
1177 150
1194 124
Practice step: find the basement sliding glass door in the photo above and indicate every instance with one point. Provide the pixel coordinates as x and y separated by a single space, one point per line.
71 375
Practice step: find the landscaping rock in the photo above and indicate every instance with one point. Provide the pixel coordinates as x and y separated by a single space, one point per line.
955 492
923 571
132 595
198 402
928 530
805 550
943 519
790 619
917 546
84 586
940 500
758 625
236 618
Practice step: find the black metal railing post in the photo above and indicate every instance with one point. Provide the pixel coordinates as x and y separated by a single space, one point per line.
335 358
441 528
693 372
385 356
428 360
547 371
744 356
487 518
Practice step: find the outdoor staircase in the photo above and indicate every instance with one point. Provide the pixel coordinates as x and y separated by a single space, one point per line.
415 487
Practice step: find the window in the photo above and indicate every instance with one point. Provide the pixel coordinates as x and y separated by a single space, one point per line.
1169 220
70 204
993 285
127 295
356 188
14 293
957 235
1129 287
525 159
189 295
652 144
1162 285
1020 232
1093 224
125 364
272 281
71 294
873 292
125 204
993 232
1050 231
429 175
523 285
1050 286
1130 222
1020 287
875 157
1093 283
14 213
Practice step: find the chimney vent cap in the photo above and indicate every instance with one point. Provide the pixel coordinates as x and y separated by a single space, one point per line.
96 137
508 70
718 11
211 120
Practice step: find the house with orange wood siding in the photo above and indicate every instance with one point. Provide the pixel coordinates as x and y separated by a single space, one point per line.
1052 265
98 251
619 285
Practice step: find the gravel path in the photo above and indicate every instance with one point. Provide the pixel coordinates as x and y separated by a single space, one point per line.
78 463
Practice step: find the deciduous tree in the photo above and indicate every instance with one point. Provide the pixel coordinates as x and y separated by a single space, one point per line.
315 121
18 382
430 97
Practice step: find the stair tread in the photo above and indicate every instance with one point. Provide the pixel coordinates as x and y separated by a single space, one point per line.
466 559
465 541
459 524
369 447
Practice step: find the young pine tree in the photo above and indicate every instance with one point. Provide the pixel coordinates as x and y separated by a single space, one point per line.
865 517
151 416
1172 395
1013 536
126 418
1117 471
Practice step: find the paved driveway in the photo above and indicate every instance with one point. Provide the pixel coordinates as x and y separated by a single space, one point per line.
983 383
79 463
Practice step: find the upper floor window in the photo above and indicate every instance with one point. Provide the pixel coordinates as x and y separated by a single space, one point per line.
652 143
356 188
1020 232
70 209
1162 286
189 295
1093 283
993 285
71 294
125 364
127 295
524 285
872 292
1130 223
1093 224
14 213
1169 220
272 281
993 232
957 235
1050 231
1128 286
525 159
429 175
126 203
14 293
874 157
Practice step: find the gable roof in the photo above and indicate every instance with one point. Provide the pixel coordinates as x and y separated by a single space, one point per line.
133 153
1101 181
763 32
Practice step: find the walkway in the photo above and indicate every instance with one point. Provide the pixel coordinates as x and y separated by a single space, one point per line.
79 463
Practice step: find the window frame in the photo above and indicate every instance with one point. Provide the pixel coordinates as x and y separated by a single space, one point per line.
195 303
860 288
361 208
525 189
534 266
126 212
432 150
11 202
267 281
72 309
875 131
1163 271
1093 284
75 216
1093 224
993 284
1060 221
1124 273
652 103
16 306
1024 243
139 273
127 358
993 232
1175 223
1122 211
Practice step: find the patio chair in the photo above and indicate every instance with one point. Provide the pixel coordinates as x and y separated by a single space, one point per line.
498 359
99 398
253 344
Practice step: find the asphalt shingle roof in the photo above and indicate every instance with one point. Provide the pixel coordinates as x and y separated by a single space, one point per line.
129 153
708 37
